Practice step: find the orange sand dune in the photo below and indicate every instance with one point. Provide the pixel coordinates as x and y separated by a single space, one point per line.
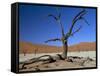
26 47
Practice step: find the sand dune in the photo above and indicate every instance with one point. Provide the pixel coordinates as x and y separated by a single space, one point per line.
27 47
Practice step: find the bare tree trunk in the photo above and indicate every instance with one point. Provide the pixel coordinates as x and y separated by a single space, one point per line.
65 47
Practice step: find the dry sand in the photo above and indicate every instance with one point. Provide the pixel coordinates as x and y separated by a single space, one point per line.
91 54
82 60
60 64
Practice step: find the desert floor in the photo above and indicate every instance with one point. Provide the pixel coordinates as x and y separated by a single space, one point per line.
75 60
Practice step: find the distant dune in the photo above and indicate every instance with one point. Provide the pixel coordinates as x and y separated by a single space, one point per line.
83 46
26 47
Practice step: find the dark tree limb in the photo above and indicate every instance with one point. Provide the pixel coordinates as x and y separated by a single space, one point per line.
50 59
50 15
56 39
78 17
62 30
58 20
85 21
80 14
60 56
76 31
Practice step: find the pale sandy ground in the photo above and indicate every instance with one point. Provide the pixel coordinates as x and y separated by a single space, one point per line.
60 64
91 54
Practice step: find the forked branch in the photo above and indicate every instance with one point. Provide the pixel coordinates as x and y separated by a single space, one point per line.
59 22
78 17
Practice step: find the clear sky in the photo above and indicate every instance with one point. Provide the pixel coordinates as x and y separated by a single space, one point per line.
36 27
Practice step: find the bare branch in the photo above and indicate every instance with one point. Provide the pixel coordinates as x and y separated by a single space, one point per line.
85 21
80 14
78 17
50 15
59 15
56 39
58 20
62 30
76 31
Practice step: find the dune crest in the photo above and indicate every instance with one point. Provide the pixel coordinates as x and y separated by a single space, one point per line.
39 48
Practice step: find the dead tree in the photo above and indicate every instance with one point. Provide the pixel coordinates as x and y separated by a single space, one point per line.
66 36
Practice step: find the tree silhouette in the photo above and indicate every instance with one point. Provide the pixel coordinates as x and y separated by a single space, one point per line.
66 36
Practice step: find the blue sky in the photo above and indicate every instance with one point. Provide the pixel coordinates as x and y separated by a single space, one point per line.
36 27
